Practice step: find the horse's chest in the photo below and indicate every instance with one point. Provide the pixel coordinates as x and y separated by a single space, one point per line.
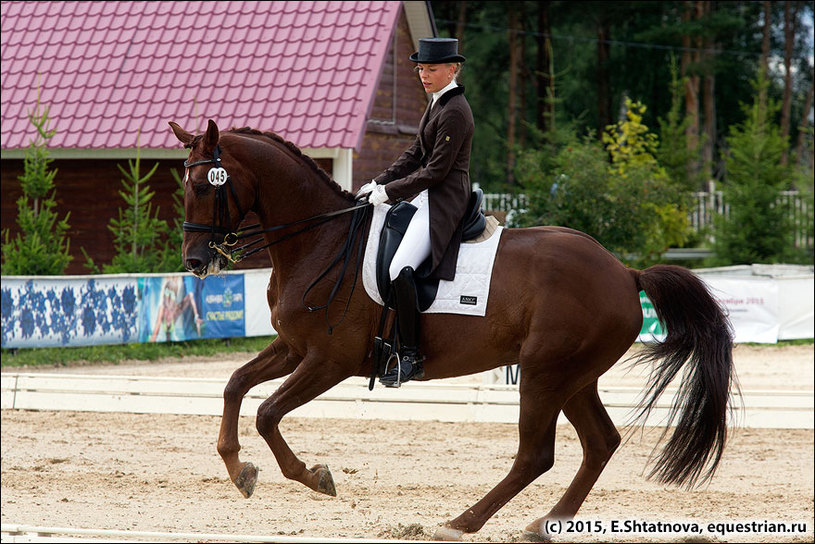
290 320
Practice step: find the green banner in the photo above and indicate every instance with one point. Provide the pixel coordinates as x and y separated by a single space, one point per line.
651 327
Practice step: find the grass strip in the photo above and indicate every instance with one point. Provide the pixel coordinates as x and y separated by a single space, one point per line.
116 353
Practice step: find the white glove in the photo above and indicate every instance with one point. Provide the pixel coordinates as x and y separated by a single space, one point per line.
365 189
378 195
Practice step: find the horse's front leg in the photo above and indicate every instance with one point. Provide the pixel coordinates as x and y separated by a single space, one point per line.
312 377
273 362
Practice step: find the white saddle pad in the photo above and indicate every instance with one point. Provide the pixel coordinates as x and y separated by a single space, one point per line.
466 294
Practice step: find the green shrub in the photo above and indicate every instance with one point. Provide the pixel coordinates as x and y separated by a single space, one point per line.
629 203
758 228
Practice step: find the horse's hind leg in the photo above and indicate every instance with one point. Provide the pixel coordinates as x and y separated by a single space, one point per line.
273 362
536 455
599 439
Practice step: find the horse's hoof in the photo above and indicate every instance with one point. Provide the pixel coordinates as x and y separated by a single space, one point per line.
536 532
448 534
532 536
326 482
246 480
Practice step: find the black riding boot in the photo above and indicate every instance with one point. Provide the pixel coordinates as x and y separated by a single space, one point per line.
409 364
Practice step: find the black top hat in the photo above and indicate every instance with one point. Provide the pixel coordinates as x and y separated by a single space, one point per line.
437 51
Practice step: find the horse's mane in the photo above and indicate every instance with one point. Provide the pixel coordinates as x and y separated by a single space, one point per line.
322 174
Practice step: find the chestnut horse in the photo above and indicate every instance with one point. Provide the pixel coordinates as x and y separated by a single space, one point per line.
560 305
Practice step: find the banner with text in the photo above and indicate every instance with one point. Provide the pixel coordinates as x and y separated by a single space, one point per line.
175 308
751 305
54 311
120 309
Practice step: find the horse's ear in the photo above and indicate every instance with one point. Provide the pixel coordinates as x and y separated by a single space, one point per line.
183 136
211 137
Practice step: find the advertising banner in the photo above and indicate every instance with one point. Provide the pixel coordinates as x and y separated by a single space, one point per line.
53 311
751 305
64 311
176 308
651 327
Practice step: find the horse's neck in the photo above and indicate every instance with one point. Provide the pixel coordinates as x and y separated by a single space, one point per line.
287 196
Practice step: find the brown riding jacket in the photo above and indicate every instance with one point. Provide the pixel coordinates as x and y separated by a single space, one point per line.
439 160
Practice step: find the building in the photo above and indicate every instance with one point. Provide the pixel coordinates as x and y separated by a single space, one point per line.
332 77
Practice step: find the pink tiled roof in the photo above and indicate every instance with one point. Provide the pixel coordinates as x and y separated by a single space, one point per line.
107 70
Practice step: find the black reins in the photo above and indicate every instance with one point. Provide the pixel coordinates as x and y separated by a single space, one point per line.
218 177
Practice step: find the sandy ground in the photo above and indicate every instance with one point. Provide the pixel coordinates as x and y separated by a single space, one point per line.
395 480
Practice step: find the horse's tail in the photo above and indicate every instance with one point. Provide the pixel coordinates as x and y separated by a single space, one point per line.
698 333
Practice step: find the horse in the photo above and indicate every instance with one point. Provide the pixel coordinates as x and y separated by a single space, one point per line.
561 306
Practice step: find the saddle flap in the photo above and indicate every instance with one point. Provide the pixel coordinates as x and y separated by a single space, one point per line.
396 223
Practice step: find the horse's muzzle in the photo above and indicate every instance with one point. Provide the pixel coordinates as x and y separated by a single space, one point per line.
203 262
196 267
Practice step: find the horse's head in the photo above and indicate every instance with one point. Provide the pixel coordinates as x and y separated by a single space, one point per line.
212 211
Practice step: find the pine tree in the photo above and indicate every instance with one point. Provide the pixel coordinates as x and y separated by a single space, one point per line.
176 235
673 152
758 228
139 235
42 247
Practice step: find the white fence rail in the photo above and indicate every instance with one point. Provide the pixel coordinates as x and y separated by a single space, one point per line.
708 204
419 401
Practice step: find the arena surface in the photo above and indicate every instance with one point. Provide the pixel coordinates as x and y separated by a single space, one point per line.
395 479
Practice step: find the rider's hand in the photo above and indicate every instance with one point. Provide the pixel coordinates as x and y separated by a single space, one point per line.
366 189
378 195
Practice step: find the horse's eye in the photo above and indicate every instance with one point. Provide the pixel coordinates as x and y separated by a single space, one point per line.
200 188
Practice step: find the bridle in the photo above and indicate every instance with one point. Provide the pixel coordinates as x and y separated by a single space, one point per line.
218 177
220 214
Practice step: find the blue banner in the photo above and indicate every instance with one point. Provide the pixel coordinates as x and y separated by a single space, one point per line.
224 306
50 312
176 308
119 309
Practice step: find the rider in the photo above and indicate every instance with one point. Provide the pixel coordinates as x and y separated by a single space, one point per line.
433 173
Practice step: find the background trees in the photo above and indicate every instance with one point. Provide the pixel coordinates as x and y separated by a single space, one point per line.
542 63
552 86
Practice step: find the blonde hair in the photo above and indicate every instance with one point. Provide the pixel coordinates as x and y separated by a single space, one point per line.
458 65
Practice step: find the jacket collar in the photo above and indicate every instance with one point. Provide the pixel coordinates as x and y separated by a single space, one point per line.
445 98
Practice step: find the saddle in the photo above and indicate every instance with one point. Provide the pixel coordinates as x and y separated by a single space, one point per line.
393 230
396 222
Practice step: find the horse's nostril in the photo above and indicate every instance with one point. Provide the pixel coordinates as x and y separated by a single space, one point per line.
192 264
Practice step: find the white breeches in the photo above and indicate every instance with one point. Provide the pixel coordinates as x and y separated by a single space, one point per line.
415 246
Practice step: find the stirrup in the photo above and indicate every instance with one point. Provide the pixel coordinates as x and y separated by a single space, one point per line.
407 367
